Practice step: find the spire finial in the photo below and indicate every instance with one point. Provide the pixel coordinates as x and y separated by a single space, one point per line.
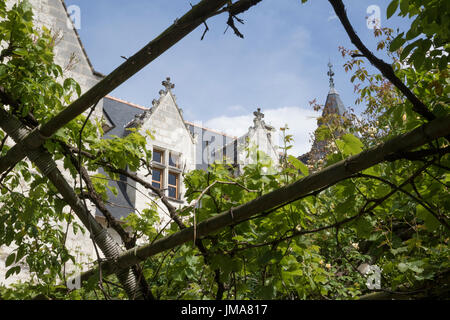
168 85
331 74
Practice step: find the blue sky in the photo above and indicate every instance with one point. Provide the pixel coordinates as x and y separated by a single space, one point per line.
279 66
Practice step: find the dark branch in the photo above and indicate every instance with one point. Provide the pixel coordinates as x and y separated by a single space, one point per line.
386 69
420 201
418 155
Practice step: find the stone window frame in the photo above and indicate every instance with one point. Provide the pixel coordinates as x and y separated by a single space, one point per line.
166 169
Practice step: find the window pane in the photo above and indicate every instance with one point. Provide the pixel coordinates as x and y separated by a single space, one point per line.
173 160
156 175
173 179
156 185
157 156
173 192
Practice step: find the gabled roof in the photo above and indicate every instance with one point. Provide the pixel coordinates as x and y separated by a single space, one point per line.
257 122
207 142
140 119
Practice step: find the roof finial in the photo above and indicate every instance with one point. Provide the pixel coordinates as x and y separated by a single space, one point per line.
331 75
168 85
258 114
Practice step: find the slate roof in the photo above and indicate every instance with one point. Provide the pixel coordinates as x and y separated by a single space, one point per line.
334 103
119 114
208 140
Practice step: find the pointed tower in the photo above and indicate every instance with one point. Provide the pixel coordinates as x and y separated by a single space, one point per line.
333 111
333 104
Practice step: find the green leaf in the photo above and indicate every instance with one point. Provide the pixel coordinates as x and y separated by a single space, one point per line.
363 227
298 165
322 133
10 260
20 253
21 52
392 7
404 6
408 49
12 271
417 58
431 223
349 145
402 267
343 209
397 42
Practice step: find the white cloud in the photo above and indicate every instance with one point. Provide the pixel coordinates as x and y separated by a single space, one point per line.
332 17
301 122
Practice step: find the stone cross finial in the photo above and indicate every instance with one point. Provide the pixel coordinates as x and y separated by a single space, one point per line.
168 85
258 115
331 74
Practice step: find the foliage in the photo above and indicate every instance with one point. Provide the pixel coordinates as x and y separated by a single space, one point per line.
428 38
34 220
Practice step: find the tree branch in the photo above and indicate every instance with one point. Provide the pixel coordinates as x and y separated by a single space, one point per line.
421 202
419 155
386 69
364 210
172 210
44 161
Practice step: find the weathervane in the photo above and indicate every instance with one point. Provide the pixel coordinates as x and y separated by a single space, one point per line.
331 74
